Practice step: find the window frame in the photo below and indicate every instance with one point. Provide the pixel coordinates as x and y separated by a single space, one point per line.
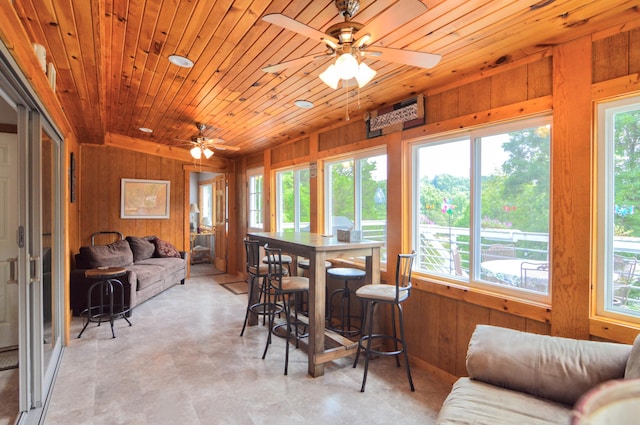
278 195
356 157
252 197
604 202
474 136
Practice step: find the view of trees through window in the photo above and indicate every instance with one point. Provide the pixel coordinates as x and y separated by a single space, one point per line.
294 200
511 219
357 197
620 146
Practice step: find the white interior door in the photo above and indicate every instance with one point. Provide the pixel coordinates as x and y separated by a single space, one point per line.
9 331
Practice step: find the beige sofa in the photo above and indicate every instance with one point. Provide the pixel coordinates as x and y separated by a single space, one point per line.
523 378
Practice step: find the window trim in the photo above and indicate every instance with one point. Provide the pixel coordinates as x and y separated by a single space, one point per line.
604 198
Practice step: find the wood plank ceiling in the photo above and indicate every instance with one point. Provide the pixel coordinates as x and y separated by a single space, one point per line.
113 73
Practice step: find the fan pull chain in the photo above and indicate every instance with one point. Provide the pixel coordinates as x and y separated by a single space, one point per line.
346 91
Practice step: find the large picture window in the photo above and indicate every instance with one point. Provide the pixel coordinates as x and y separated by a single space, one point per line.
356 195
293 200
618 221
481 208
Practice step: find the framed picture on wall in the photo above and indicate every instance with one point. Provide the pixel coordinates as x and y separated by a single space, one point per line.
144 198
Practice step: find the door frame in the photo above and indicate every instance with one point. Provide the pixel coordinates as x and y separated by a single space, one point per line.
188 169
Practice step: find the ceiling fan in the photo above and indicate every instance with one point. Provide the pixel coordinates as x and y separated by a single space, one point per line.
350 39
202 144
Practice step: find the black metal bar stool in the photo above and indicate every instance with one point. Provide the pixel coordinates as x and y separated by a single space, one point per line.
107 286
393 296
259 302
347 275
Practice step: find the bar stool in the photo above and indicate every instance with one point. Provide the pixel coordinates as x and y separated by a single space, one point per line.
262 304
288 287
394 296
348 275
107 284
286 261
303 263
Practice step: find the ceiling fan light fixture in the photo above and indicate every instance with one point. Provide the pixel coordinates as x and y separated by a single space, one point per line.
346 66
196 152
208 153
365 74
330 77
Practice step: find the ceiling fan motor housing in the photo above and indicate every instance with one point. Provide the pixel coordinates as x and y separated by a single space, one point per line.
348 7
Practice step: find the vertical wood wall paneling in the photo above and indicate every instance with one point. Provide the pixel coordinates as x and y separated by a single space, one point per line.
101 171
571 196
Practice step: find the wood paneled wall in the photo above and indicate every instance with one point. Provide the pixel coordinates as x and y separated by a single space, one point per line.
441 318
102 168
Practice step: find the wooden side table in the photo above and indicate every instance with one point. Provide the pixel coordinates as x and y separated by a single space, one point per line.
107 283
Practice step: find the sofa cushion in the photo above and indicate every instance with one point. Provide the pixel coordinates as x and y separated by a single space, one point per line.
142 248
164 249
632 371
170 264
474 402
147 274
117 254
555 368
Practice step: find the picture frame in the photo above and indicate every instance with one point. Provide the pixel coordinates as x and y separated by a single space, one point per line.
145 199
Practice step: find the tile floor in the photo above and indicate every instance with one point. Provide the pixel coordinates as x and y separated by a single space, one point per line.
183 362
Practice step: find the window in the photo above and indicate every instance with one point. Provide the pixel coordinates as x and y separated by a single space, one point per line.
293 200
618 224
356 196
481 209
255 191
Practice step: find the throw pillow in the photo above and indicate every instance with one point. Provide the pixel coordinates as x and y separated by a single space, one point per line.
117 254
142 248
164 249
633 362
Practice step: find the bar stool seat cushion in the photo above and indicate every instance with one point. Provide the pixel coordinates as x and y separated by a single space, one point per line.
346 273
295 284
303 263
286 259
381 292
263 270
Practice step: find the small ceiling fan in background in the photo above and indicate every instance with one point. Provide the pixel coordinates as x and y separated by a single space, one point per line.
351 41
202 144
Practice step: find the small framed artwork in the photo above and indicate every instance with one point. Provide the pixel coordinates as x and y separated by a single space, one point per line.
144 198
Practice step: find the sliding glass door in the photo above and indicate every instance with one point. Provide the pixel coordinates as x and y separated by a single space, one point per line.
31 266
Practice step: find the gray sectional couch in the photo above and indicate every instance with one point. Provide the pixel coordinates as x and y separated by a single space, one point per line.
152 266
523 378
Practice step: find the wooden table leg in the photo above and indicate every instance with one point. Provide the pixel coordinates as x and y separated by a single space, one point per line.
317 289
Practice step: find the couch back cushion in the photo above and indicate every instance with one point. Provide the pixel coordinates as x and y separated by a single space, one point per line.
632 371
142 248
554 368
117 254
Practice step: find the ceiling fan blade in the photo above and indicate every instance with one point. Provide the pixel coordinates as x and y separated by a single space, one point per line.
409 57
394 17
221 147
294 62
295 26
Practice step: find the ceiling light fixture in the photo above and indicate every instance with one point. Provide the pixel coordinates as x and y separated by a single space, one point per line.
145 130
200 149
181 61
304 104
346 68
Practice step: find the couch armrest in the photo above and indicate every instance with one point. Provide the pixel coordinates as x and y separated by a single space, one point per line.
558 369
